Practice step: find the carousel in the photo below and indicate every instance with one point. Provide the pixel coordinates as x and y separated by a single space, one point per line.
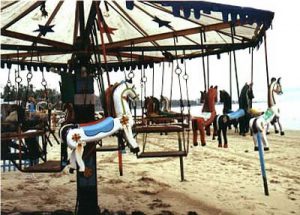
85 42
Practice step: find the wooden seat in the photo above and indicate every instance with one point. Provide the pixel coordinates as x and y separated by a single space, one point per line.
157 129
162 154
48 166
21 135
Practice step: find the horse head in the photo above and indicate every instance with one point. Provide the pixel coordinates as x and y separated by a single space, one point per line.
277 87
212 97
202 96
226 99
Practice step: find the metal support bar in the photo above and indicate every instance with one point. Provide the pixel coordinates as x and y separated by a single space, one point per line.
262 163
266 59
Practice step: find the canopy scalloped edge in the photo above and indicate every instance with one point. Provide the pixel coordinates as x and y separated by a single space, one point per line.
248 14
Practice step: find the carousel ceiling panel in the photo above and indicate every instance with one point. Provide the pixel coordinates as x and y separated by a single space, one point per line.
134 32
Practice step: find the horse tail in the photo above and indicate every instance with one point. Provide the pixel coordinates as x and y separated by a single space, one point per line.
254 126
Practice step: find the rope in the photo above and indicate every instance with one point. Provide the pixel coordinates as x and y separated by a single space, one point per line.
207 66
235 66
266 59
153 81
131 74
252 65
203 61
230 74
162 78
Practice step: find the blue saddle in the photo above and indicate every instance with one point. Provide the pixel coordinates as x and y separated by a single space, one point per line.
236 114
103 126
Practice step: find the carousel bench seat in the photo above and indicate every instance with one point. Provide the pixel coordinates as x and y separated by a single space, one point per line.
21 135
162 154
48 166
157 129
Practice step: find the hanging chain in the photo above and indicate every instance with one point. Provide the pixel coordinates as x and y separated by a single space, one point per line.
8 84
131 74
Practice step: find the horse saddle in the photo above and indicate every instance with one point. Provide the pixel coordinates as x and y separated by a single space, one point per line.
204 115
236 114
105 125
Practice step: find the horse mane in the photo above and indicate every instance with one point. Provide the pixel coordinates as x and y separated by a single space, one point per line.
245 97
225 98
210 100
271 99
109 102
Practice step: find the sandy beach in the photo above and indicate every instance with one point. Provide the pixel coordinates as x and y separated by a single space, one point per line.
218 181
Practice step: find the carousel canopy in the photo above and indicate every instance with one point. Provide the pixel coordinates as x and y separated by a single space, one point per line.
123 34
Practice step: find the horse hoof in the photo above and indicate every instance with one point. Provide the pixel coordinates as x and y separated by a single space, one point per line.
225 146
71 170
276 131
266 149
135 150
203 144
268 133
256 148
220 145
282 133
195 144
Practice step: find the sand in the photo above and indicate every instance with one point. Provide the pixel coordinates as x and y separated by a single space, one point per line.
218 181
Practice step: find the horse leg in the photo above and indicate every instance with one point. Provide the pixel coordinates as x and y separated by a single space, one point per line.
224 130
215 127
280 127
275 127
195 132
219 136
265 140
207 130
267 129
252 125
131 141
201 130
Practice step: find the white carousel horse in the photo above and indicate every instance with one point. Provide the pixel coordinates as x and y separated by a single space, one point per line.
260 124
76 136
274 86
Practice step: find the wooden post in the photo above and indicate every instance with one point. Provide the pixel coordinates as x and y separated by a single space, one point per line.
84 109
87 196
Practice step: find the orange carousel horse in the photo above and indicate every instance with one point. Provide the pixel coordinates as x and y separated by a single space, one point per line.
203 122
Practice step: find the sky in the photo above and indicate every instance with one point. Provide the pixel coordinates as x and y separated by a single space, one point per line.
282 42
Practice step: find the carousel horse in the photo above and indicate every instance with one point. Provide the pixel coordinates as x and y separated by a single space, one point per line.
77 135
259 124
242 115
165 107
208 114
271 102
154 113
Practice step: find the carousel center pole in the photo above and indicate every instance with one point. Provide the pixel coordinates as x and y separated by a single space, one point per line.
84 108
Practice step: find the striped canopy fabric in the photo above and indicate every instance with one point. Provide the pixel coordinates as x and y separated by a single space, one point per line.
123 34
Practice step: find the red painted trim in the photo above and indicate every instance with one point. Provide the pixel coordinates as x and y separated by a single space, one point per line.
91 123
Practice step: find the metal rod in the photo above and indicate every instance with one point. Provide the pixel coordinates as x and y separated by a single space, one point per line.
207 67
266 59
262 163
235 66
252 65
203 62
230 74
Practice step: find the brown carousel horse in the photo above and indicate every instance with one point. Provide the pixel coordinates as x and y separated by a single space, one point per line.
206 119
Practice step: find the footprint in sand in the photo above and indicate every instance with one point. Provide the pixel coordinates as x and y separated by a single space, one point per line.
157 203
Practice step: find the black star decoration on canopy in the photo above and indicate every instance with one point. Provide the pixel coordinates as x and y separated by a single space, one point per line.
161 22
44 29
